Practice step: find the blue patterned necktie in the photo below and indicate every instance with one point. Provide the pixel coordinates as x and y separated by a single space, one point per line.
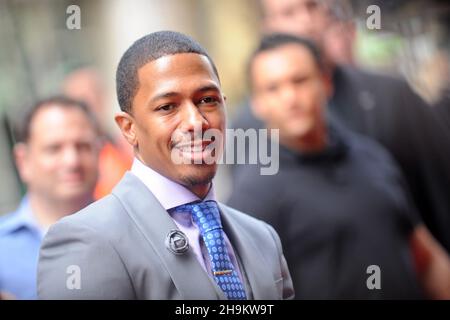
207 217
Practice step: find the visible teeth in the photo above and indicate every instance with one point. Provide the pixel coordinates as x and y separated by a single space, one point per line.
191 151
197 148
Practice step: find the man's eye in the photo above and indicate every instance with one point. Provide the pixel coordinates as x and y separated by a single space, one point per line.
52 149
166 107
84 147
208 100
299 80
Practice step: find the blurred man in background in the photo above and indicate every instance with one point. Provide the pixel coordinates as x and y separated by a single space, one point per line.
57 160
381 107
338 202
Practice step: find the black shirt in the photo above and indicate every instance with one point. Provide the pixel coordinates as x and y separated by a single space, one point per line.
387 110
337 213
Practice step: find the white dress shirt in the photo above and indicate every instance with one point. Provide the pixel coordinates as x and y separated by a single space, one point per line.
171 194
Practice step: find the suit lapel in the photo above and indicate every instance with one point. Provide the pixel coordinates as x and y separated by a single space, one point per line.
154 222
260 279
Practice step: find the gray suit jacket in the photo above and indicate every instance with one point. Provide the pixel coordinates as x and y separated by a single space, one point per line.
115 249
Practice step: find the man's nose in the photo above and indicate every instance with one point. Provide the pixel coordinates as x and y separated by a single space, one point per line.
71 156
289 95
192 119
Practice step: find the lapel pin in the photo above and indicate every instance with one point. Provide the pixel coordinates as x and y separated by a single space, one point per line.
177 242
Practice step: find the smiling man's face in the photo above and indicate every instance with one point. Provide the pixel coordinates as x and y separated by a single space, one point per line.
177 96
59 162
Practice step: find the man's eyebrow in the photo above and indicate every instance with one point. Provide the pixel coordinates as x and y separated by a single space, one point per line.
174 94
208 88
163 95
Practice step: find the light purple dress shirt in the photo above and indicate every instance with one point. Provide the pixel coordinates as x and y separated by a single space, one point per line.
171 194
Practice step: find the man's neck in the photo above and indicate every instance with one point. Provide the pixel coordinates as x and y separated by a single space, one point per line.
313 142
47 212
201 190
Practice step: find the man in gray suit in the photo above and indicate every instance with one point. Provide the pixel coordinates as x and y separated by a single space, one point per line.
160 234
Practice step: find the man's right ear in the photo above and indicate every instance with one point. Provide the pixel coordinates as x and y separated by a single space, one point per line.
126 123
20 157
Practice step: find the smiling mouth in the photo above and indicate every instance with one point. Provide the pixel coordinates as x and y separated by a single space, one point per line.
196 152
73 179
193 147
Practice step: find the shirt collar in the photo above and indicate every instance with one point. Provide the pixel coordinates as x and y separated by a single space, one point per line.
169 193
22 217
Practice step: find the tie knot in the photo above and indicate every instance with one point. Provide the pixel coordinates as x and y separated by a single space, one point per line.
204 214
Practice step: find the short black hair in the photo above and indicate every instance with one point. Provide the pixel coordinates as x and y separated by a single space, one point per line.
23 131
148 48
275 40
